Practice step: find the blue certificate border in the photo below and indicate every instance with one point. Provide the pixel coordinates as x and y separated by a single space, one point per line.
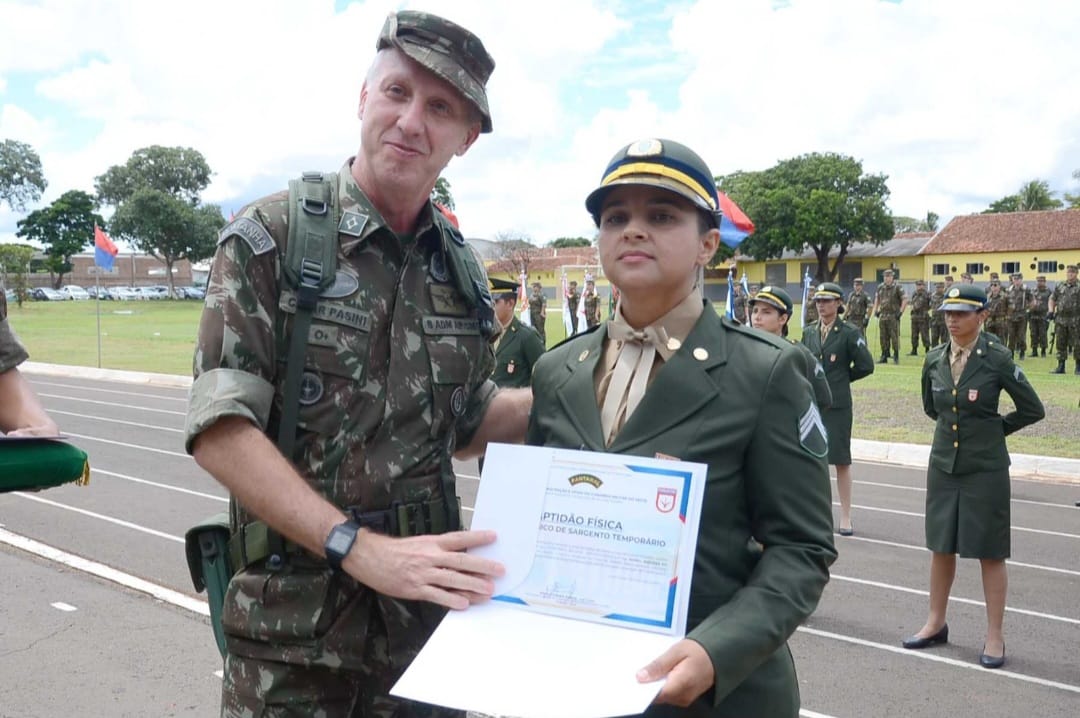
687 478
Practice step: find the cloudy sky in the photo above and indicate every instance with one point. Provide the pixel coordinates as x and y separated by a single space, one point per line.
958 102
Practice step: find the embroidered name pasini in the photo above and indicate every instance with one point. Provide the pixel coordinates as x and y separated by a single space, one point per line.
334 312
450 325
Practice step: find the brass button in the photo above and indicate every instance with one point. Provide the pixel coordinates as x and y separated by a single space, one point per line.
954 392
955 444
954 427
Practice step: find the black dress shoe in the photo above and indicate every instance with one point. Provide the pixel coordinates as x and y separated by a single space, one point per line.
992 661
916 642
850 531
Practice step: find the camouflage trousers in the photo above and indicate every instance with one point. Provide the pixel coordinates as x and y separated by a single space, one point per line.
859 321
538 325
999 328
1018 334
1037 326
1067 338
920 330
889 328
939 333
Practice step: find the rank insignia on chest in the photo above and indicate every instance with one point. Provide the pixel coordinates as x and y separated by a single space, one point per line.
973 394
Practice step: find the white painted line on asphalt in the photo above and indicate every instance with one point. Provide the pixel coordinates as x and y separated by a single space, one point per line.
915 514
61 606
114 404
922 489
102 419
812 714
1009 561
956 599
157 485
102 517
37 383
924 656
108 573
130 446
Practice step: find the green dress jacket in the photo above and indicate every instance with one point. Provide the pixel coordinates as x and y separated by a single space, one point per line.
516 355
843 355
737 400
970 432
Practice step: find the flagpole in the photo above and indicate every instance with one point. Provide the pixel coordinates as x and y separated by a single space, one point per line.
97 307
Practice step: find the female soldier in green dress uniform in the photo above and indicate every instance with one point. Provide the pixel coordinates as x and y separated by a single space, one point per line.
967 482
770 311
667 376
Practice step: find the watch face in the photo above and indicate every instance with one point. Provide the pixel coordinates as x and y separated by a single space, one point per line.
339 541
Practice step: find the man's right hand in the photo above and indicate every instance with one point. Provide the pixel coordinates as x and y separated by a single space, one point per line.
433 568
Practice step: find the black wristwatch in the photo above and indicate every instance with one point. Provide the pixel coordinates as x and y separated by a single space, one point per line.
340 542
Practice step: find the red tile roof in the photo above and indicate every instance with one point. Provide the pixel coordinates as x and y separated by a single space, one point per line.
1009 232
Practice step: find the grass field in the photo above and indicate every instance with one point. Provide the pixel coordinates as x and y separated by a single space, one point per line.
159 336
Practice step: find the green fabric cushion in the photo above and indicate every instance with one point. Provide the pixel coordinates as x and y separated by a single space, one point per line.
40 464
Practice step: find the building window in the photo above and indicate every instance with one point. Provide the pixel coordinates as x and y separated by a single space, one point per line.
1010 267
974 268
1050 267
939 270
776 274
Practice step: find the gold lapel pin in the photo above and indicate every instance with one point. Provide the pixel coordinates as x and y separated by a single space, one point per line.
701 354
583 355
673 344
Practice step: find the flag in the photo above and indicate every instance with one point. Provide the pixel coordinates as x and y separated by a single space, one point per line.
523 302
104 249
580 310
735 226
567 324
729 312
745 285
805 294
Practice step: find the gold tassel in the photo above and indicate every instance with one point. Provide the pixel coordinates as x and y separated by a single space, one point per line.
84 480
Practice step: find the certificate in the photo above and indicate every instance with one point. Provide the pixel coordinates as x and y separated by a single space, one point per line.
598 550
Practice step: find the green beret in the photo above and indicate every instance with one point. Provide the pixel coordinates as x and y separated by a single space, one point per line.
37 463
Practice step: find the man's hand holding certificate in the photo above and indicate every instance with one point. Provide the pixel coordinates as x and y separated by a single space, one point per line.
598 550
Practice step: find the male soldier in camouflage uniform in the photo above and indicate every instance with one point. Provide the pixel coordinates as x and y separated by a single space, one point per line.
1040 298
21 414
997 322
858 307
538 310
889 305
738 302
592 304
920 317
1018 301
1064 308
394 381
573 297
811 307
938 332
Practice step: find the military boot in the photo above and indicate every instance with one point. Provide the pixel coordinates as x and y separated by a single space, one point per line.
913 353
1060 368
896 358
1077 369
884 359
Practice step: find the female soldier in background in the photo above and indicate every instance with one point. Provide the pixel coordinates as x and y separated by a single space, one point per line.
770 311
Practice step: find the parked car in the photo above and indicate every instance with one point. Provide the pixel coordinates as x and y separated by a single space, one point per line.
123 294
47 294
190 293
9 295
74 291
154 292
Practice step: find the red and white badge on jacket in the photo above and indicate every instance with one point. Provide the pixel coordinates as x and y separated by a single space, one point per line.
973 394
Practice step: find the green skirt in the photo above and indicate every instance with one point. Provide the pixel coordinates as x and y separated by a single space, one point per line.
838 425
968 514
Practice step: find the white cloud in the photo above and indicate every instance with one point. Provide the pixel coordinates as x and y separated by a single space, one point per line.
958 102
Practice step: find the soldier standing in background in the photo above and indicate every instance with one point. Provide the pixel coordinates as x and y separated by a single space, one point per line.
538 310
889 305
1018 301
592 304
1064 308
1040 298
920 317
858 307
573 296
811 308
966 278
739 304
938 333
997 322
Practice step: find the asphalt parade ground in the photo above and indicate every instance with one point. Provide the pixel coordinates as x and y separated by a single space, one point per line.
98 616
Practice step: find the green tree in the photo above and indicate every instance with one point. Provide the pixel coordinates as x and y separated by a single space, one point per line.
903 225
21 177
64 228
440 194
819 200
15 264
156 196
564 242
1073 199
1033 196
167 228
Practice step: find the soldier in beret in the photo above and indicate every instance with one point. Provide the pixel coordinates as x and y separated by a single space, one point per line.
997 312
919 304
667 376
858 307
889 305
1018 305
21 413
967 482
1040 306
1064 306
845 357
937 319
344 506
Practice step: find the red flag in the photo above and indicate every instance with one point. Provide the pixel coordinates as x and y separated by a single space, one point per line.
104 249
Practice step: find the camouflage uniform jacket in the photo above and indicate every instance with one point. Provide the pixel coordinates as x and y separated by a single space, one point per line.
572 301
890 299
12 352
936 300
996 306
1066 301
919 304
858 304
739 308
592 308
537 305
1041 297
1017 300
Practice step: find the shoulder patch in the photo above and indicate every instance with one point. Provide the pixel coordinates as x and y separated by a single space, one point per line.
251 232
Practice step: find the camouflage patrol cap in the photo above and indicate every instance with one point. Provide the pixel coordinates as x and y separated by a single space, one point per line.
919 281
964 298
446 49
503 288
664 164
857 280
774 297
1070 268
887 273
